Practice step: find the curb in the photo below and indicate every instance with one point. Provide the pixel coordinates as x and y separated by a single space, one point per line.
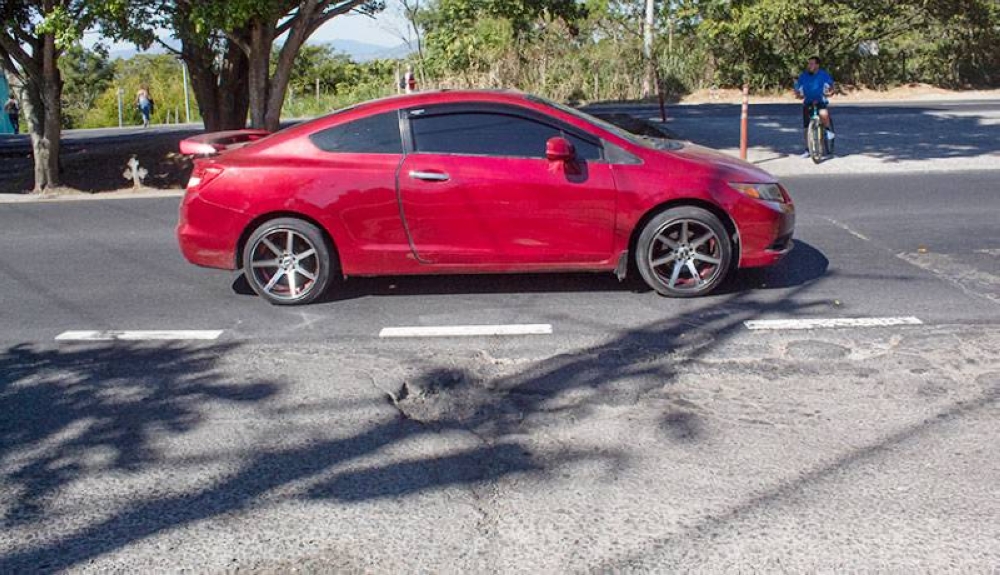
32 198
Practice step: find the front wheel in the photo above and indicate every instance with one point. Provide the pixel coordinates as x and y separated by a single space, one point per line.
288 261
827 141
816 140
684 252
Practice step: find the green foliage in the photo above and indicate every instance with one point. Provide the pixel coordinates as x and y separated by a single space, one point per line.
765 42
160 75
595 52
342 82
86 76
565 49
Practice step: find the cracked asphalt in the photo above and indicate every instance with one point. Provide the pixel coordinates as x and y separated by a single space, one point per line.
701 451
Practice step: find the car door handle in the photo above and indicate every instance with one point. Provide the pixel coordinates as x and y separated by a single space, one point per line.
429 176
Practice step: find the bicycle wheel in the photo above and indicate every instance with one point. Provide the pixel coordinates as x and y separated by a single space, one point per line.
815 140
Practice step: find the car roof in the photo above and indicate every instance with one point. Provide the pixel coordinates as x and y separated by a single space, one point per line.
443 96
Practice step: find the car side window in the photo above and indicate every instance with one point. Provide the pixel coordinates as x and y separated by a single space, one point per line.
378 134
490 134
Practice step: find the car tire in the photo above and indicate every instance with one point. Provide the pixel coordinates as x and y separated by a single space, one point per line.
684 252
288 261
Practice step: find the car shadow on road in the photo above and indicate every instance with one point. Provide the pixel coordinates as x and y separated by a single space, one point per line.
802 265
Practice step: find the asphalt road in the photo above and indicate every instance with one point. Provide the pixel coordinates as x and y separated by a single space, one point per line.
867 246
643 435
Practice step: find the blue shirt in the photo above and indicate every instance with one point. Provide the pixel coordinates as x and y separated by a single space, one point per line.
814 86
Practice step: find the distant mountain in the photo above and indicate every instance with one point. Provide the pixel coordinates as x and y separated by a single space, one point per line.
358 51
364 52
128 53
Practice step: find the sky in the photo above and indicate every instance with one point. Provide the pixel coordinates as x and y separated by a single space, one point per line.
381 30
384 29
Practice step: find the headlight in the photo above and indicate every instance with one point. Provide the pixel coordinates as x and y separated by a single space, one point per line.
766 192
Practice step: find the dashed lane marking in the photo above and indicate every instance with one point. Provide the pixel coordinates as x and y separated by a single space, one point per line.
175 335
821 323
467 330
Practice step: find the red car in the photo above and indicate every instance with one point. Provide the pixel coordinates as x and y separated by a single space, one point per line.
473 182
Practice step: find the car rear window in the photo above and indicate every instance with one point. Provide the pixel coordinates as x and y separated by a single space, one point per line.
378 134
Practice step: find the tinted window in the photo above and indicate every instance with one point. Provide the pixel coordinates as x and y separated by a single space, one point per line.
490 134
377 134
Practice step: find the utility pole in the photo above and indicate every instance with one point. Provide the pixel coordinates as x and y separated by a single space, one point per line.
647 48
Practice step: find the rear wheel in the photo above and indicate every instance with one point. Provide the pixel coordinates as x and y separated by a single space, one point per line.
684 252
288 261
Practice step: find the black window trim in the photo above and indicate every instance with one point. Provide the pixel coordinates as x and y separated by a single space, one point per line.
487 108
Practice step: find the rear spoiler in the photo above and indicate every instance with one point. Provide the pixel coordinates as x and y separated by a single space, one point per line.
217 142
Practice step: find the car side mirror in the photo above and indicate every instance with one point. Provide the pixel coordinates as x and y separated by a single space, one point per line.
559 149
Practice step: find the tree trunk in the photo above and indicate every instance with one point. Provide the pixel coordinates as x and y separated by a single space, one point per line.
45 95
278 86
261 38
222 93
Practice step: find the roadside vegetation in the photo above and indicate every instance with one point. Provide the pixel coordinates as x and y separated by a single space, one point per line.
250 61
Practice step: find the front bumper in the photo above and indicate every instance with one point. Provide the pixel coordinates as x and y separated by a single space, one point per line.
766 230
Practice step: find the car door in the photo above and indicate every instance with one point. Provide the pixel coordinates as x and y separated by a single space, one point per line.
476 189
356 186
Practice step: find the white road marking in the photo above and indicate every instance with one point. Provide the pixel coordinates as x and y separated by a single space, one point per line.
820 323
849 229
174 335
467 330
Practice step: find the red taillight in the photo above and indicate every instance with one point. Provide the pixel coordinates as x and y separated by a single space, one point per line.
192 148
202 175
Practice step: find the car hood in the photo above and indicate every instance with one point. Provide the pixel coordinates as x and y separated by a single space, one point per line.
727 167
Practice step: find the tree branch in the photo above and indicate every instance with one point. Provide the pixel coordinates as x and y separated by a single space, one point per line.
12 50
167 47
333 12
239 42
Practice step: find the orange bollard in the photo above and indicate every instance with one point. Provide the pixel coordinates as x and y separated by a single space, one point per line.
744 120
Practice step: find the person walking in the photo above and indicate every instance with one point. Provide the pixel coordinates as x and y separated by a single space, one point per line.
13 111
145 104
409 81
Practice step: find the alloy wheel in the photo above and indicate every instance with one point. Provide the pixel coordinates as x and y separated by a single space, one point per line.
285 264
686 255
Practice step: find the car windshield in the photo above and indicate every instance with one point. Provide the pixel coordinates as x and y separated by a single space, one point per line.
646 142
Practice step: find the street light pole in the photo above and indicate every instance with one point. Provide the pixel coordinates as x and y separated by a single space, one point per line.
121 93
187 100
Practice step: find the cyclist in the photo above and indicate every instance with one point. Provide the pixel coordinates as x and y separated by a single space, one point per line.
813 86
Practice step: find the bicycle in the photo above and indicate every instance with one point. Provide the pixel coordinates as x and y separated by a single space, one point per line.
816 136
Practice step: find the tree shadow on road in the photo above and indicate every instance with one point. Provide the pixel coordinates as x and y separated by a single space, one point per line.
110 403
494 411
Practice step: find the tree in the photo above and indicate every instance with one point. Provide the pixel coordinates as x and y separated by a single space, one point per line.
254 26
29 51
475 37
35 34
86 75
227 45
